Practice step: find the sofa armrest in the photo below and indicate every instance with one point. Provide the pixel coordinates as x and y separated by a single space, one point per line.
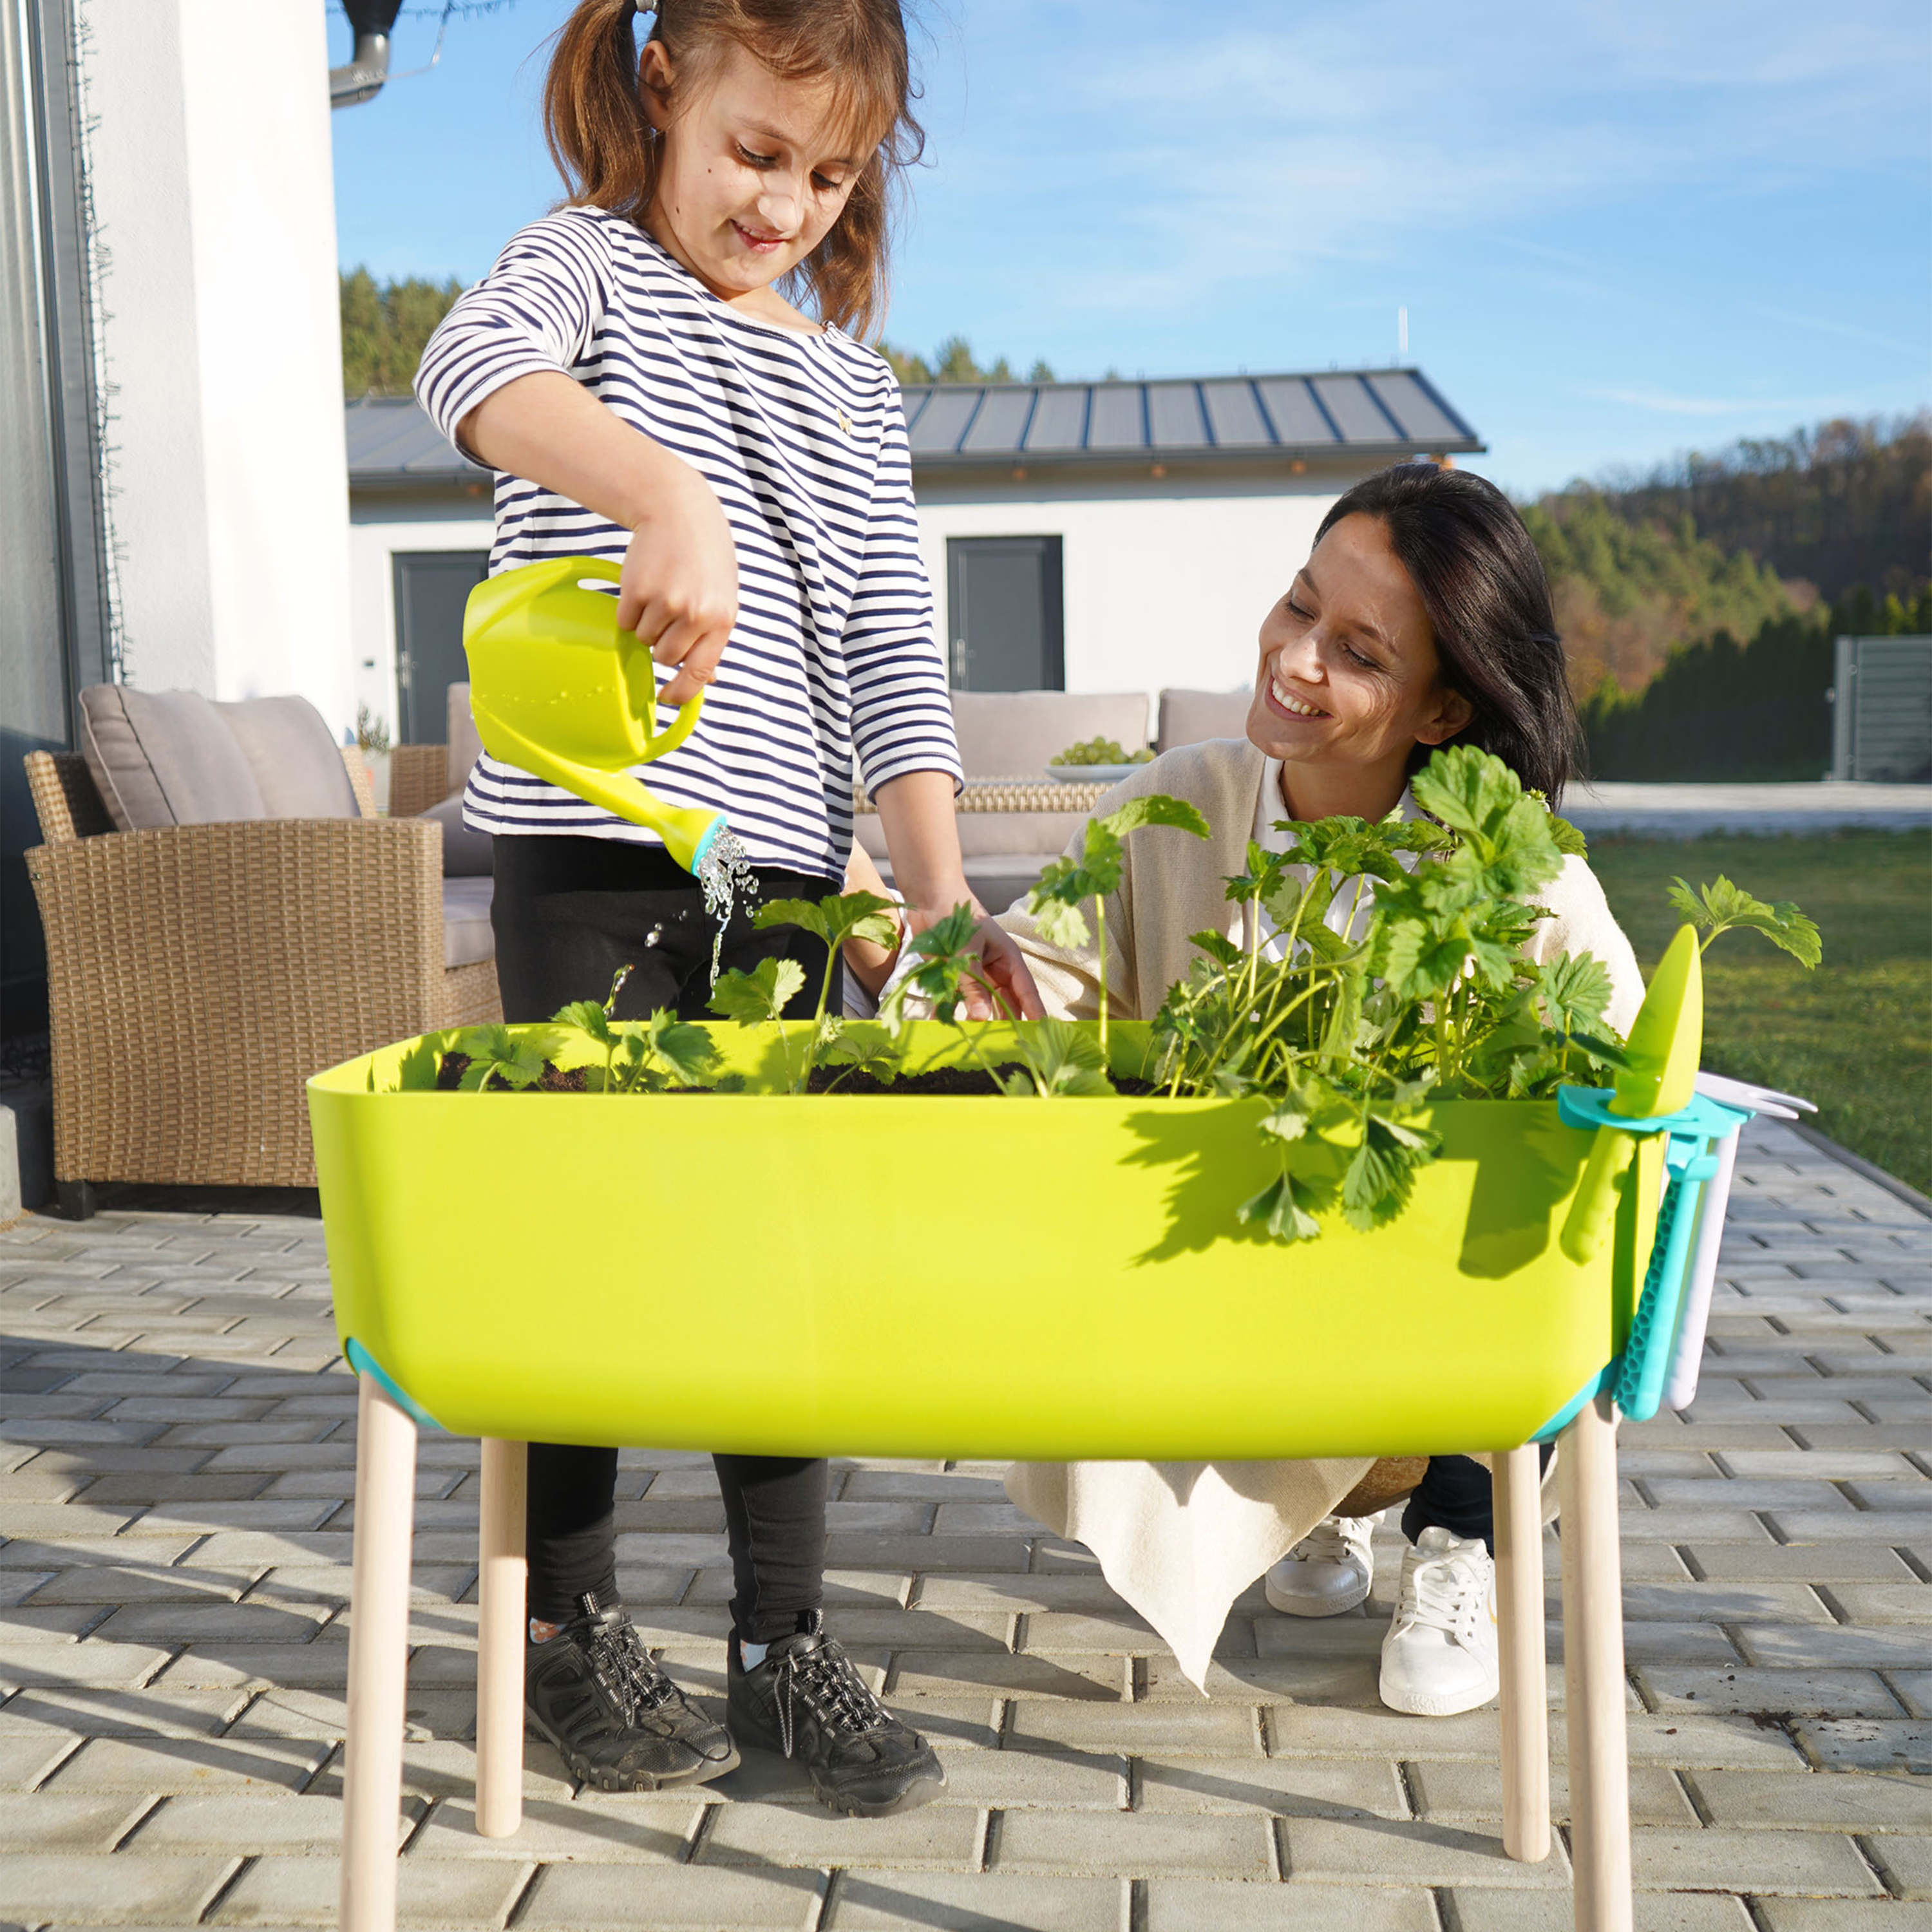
198 975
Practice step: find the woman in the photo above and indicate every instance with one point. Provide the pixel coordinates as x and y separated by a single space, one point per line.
1423 616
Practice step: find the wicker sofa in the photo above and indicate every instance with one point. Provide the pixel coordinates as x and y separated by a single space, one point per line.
198 972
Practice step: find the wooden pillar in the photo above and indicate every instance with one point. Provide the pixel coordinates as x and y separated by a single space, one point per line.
1519 1636
379 1636
1593 1669
501 1618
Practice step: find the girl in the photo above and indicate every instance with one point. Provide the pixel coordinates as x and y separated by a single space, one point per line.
644 389
1422 616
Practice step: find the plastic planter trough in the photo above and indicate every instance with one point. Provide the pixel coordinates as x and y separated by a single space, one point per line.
967 1277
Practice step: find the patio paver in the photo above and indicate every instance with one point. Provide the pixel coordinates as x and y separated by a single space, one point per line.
176 1469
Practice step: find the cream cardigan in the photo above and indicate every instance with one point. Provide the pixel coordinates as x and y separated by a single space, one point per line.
1181 1541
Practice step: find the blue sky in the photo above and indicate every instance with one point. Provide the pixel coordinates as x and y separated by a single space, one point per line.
1621 228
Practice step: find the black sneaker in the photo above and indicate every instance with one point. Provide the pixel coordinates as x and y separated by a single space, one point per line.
807 1700
620 1723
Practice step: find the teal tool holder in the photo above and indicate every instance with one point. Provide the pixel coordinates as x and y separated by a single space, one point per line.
1635 1380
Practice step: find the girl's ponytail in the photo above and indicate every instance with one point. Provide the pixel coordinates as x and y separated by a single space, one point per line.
594 120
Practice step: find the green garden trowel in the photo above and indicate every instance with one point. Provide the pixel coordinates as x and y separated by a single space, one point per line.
1666 1039
557 690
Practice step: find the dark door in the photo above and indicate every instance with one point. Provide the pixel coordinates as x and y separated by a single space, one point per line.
432 586
1006 629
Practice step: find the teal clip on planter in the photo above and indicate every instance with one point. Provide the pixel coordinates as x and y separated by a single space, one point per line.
1695 1132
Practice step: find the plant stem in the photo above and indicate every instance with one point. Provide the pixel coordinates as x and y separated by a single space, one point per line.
1100 927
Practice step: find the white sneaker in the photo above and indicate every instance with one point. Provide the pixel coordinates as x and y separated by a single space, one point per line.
1328 1571
1440 1655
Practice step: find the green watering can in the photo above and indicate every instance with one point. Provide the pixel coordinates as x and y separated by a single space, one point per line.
559 690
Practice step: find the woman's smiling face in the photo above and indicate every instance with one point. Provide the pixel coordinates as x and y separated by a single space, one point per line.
756 170
1349 675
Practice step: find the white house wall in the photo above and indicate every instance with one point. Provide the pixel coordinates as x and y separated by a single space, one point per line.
1163 584
212 182
379 532
1160 590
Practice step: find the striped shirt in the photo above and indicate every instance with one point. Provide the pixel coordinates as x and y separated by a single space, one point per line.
803 438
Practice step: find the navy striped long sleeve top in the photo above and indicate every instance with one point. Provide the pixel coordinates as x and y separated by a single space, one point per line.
803 438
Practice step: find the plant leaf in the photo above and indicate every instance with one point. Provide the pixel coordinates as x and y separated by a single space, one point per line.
685 1051
1065 1059
1280 1209
416 1073
761 994
1574 991
801 913
1217 946
1155 809
1721 905
587 1016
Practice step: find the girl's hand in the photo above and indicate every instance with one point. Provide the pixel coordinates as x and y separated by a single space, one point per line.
679 588
916 811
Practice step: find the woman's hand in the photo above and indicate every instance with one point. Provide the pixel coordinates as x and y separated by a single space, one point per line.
679 588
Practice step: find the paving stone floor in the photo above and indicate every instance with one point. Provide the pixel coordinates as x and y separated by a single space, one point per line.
176 1473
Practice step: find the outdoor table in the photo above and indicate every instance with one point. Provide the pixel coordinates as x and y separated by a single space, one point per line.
1143 1325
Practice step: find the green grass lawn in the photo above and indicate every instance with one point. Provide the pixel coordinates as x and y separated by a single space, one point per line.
1855 1036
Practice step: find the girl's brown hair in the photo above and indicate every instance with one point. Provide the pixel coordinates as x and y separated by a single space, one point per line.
608 151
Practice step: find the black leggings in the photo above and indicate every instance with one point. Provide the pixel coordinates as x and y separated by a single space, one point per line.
1457 1493
569 913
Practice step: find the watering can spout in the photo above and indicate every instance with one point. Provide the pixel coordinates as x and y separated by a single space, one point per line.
557 690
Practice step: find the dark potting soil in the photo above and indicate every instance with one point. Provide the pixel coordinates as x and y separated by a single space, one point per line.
555 1079
953 1080
969 1080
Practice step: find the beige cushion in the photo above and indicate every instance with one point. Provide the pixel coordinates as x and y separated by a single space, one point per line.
167 757
467 936
465 746
1018 733
297 763
1190 717
466 854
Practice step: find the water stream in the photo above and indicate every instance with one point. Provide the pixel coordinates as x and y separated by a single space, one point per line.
725 875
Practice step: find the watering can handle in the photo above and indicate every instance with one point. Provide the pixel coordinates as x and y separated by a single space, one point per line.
656 743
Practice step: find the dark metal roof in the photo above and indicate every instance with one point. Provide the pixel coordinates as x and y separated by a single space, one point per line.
1215 420
1219 417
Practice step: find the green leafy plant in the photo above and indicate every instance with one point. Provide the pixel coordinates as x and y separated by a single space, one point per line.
372 734
1719 907
1361 1016
1383 972
1102 752
835 920
1056 901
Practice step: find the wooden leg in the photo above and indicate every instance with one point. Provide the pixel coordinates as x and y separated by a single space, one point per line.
1520 1640
379 1636
499 1641
1593 1669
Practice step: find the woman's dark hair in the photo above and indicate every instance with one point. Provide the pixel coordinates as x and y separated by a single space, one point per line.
606 151
1482 584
